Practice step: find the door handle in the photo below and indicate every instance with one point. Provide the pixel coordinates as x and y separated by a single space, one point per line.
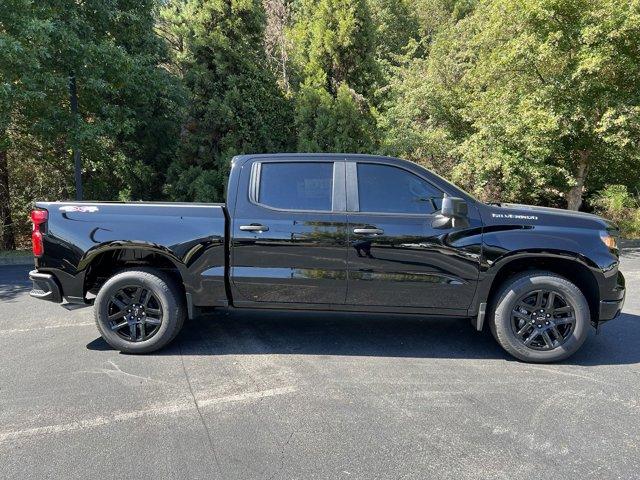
368 231
254 227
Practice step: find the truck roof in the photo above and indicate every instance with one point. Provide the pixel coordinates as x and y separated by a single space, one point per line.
317 156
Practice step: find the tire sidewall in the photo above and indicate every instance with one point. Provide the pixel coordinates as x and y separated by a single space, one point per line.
163 291
506 301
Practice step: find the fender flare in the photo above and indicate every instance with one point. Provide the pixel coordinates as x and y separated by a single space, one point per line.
490 272
89 258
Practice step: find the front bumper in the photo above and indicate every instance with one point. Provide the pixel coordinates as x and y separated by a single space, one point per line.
45 287
611 307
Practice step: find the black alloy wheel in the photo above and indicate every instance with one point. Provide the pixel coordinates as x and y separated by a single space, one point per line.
543 319
539 316
135 313
140 310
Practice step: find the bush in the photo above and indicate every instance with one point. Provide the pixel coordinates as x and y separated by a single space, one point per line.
616 203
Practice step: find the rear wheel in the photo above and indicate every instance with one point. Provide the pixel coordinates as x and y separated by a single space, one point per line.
540 317
139 311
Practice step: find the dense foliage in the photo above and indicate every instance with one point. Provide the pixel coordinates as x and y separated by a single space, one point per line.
519 100
235 104
532 100
129 121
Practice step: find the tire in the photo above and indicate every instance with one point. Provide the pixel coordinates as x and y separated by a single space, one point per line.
153 325
514 317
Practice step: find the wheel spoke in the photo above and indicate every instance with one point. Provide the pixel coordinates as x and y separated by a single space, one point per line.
556 333
143 330
132 331
524 306
521 316
117 315
547 339
152 321
564 321
566 309
523 330
539 299
128 299
532 337
148 297
152 311
550 301
119 303
137 295
119 326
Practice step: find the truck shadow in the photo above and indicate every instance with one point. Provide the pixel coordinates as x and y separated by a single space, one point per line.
12 292
308 333
14 281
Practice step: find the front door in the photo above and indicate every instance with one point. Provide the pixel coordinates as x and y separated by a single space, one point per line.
397 257
289 237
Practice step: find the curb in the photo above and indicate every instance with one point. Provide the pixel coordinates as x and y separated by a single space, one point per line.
18 260
624 244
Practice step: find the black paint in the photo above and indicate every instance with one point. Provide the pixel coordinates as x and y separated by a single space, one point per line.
342 259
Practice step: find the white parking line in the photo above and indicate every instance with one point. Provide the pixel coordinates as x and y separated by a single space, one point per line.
46 327
246 396
152 411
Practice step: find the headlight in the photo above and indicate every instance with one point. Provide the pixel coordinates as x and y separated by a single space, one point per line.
609 240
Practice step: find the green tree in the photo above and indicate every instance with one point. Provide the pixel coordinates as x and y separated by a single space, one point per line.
535 100
235 104
334 55
555 91
397 30
422 119
128 121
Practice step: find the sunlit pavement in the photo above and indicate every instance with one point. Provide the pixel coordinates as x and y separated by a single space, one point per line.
291 395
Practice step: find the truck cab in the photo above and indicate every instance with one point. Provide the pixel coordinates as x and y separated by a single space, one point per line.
354 233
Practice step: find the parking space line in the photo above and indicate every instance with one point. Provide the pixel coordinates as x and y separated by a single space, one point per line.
46 327
152 411
246 396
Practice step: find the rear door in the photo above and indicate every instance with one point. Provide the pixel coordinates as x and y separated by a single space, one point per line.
397 258
289 233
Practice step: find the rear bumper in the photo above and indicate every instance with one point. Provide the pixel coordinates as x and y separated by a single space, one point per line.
611 307
45 287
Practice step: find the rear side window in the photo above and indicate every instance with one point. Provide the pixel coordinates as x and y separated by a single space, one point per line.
387 189
296 185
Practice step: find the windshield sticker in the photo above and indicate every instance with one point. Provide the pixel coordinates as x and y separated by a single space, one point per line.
514 216
74 208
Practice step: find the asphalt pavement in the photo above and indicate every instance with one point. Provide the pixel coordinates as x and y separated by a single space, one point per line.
286 395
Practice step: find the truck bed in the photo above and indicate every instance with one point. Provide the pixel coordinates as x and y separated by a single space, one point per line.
190 235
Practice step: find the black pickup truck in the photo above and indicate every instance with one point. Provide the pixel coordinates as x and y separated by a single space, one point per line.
333 232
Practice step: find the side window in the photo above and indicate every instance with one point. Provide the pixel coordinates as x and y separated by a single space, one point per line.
296 185
387 189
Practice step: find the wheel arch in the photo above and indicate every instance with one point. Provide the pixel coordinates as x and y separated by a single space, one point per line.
109 261
573 268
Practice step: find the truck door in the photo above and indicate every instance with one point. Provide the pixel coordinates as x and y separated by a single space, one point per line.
289 233
397 257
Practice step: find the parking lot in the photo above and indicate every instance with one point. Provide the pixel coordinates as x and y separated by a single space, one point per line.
251 395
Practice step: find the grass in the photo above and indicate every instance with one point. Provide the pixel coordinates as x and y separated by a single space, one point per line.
14 253
616 203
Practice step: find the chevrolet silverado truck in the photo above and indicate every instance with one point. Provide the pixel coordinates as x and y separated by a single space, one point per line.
334 232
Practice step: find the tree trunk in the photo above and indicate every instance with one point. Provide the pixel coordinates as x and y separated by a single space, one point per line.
7 240
574 196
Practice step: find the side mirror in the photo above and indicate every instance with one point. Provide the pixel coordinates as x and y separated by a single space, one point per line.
454 207
453 213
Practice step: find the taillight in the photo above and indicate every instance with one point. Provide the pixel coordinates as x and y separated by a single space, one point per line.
38 217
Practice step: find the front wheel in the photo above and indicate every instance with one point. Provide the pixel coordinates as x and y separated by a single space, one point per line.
139 311
540 317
